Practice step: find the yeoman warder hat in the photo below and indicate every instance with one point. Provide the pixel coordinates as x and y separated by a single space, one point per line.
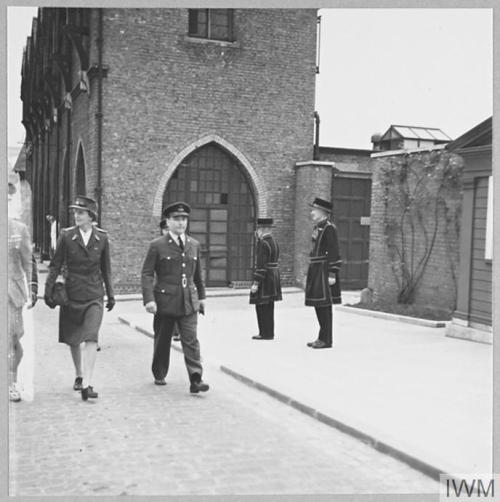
265 222
176 209
322 204
85 203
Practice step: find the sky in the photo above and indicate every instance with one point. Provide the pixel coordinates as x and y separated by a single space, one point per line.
420 67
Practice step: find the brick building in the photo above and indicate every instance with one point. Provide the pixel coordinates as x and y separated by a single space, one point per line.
139 107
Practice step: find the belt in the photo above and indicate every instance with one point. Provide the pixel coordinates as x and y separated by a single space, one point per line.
317 259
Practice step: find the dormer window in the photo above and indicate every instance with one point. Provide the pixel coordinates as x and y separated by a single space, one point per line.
213 24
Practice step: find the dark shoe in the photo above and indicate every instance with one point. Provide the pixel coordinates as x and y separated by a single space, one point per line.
78 383
89 392
310 344
260 337
176 338
160 381
319 344
92 393
198 387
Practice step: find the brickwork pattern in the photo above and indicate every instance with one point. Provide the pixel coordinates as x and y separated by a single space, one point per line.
164 92
438 286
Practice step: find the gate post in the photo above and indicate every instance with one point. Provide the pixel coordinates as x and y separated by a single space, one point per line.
313 179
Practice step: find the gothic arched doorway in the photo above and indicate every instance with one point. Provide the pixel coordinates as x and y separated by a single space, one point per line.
213 183
81 183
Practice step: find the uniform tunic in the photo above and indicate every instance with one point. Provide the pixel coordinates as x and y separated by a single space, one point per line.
171 277
87 269
324 262
266 272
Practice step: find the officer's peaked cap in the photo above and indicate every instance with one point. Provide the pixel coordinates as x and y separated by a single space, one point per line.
85 203
176 209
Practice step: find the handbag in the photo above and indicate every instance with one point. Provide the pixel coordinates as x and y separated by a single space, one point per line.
59 293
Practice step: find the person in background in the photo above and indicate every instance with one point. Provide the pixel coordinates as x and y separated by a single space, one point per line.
322 283
83 256
53 234
266 286
22 272
173 291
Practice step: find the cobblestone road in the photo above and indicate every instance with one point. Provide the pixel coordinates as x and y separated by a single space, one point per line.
140 439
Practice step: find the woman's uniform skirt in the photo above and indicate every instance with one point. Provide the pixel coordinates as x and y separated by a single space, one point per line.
80 321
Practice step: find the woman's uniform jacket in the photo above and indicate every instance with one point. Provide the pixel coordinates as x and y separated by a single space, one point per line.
87 267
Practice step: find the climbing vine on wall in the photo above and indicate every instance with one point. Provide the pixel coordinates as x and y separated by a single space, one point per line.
419 193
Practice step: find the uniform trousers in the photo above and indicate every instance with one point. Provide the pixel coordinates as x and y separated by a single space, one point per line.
324 315
265 319
163 327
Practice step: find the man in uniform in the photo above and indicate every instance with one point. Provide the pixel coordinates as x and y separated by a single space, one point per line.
22 271
173 290
322 284
266 286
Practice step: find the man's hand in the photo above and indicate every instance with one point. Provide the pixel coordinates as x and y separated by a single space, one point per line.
254 288
202 307
331 281
110 304
151 307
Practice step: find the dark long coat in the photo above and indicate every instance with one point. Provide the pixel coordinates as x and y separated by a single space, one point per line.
172 277
266 271
324 262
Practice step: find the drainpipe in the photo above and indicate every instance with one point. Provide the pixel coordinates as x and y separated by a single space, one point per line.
98 117
316 140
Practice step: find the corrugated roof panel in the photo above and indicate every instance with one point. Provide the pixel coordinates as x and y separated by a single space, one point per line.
405 132
423 133
438 134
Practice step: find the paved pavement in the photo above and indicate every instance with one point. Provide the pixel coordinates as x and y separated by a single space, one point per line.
140 439
403 387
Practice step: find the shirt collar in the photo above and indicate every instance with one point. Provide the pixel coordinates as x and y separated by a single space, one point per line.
175 237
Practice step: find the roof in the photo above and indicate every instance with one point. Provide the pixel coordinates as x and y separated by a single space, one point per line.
346 151
413 132
480 135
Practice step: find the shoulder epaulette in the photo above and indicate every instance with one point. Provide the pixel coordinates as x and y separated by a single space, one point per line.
68 228
101 230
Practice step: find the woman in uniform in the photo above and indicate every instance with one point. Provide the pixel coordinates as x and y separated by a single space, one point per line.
82 256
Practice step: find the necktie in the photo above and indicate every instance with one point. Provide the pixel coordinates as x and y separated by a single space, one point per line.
180 243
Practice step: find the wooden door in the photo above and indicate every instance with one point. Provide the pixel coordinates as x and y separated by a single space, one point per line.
351 203
213 183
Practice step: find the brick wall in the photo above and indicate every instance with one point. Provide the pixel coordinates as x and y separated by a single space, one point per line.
438 287
164 92
347 160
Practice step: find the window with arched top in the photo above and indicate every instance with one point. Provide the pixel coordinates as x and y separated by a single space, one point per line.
81 184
